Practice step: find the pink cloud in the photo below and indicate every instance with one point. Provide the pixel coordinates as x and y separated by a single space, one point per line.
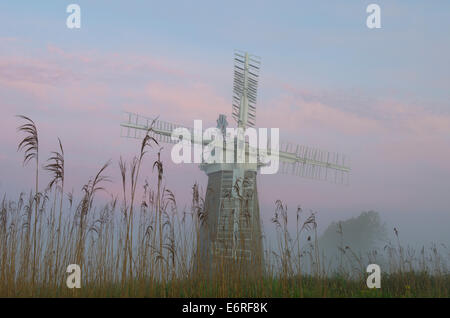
412 118
80 81
186 101
20 68
307 106
294 113
57 51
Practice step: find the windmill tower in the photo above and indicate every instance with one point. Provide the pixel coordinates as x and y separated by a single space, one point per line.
231 231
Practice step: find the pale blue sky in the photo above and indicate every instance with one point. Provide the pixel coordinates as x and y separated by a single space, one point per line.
324 42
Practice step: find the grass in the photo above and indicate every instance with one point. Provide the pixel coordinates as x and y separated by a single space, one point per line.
148 249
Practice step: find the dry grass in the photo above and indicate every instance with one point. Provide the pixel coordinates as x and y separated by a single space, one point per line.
146 249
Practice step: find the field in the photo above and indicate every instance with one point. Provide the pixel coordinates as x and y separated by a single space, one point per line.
145 247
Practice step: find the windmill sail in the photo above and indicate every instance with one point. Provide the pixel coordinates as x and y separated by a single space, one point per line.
313 163
245 87
136 126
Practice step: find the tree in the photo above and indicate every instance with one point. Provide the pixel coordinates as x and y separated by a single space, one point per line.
360 234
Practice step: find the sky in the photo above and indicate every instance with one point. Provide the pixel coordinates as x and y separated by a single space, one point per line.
380 96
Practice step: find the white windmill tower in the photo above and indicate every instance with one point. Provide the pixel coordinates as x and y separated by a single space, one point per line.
232 229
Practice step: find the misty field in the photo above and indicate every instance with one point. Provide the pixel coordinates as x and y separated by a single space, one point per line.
146 246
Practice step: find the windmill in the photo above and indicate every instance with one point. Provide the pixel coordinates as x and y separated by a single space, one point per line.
233 229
